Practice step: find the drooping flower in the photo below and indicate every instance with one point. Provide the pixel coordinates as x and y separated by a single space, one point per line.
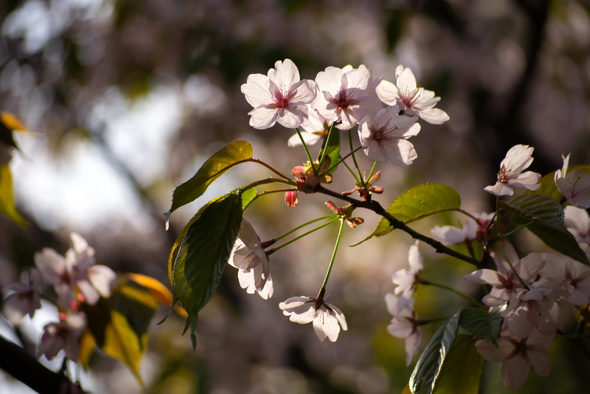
291 199
504 282
576 275
404 323
577 222
278 96
24 301
406 279
385 137
327 319
313 131
517 355
574 185
517 159
345 94
409 98
64 335
450 235
252 262
76 272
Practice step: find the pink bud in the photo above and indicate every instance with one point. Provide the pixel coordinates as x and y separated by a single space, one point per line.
291 199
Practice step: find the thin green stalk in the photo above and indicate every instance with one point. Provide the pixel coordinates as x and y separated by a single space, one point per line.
269 167
515 230
306 150
350 170
264 193
372 170
326 140
304 225
354 158
470 299
271 251
323 289
266 181
341 160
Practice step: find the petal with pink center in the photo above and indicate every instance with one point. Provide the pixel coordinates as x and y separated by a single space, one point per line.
257 90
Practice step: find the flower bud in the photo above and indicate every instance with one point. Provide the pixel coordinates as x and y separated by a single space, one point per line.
291 199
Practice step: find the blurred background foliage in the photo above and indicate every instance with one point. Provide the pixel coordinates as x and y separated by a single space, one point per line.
130 97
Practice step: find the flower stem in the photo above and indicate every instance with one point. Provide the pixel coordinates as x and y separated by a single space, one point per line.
512 267
326 140
470 299
264 193
344 158
354 158
323 289
306 150
303 225
372 170
271 251
515 230
266 181
269 167
349 169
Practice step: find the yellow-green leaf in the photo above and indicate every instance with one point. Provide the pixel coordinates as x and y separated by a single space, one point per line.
461 370
417 203
7 206
234 153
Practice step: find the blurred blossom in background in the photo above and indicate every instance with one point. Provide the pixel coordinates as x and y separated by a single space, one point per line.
129 98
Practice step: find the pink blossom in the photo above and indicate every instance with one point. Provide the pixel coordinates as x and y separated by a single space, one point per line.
346 94
252 262
517 355
404 323
577 222
326 318
409 98
505 283
313 131
279 97
385 137
406 279
576 275
64 335
75 272
24 301
517 159
574 185
450 235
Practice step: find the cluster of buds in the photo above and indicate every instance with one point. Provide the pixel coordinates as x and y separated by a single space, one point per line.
346 214
366 188
310 176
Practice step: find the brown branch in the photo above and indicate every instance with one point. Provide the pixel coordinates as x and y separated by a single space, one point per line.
397 224
24 367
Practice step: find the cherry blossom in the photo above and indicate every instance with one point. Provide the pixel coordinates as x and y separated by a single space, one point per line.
313 131
404 323
517 355
278 96
406 279
24 301
535 308
450 235
409 98
385 137
576 275
574 185
577 222
517 159
75 272
504 282
346 94
63 335
327 319
252 262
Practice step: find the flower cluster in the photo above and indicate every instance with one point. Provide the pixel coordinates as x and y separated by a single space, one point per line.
76 279
405 322
529 289
345 97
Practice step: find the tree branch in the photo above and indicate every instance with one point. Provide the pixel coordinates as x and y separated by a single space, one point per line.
379 210
24 367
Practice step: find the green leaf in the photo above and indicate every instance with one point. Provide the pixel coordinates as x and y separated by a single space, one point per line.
248 196
7 206
428 368
119 323
233 154
482 323
548 186
544 216
8 124
461 371
331 146
419 202
202 256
